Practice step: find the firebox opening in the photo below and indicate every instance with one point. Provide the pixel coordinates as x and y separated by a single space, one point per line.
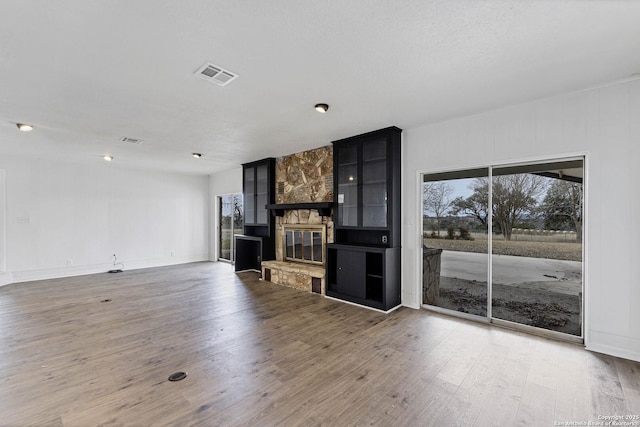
305 243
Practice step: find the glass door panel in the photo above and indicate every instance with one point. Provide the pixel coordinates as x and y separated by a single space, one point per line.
238 221
318 249
455 241
297 244
374 205
537 245
306 246
230 225
262 196
374 150
289 244
374 183
225 227
249 201
347 212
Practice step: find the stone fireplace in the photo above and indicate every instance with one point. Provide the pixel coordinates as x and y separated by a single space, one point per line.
300 264
304 224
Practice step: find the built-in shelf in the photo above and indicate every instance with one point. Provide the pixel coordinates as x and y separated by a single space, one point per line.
257 244
363 262
323 208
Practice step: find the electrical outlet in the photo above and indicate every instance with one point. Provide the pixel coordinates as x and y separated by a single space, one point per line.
385 239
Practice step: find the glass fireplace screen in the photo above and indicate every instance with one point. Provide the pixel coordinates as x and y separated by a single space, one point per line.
304 245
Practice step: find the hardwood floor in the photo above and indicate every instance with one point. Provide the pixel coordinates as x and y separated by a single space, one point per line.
98 349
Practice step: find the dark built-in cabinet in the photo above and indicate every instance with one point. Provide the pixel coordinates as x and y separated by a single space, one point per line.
257 244
364 274
363 263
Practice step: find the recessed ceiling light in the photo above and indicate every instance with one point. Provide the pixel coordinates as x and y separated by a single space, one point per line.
108 158
322 108
24 127
196 155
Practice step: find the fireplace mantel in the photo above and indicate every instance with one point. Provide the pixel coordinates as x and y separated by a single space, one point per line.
323 208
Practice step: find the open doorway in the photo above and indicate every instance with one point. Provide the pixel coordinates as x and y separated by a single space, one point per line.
230 224
505 244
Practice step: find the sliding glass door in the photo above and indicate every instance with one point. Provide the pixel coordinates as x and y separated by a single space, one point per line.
537 245
455 235
505 243
230 216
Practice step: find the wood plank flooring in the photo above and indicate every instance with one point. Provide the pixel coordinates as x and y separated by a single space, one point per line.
97 351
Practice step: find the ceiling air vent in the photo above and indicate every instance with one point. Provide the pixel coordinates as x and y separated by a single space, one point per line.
215 74
131 140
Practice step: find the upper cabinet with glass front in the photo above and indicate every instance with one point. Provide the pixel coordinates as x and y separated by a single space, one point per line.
258 190
346 171
367 188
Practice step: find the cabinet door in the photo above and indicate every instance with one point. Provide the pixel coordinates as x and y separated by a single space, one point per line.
248 254
347 173
350 274
249 196
262 194
374 183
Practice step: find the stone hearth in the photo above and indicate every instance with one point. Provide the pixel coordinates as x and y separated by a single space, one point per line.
295 275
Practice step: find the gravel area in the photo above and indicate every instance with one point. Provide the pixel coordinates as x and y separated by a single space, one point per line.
539 308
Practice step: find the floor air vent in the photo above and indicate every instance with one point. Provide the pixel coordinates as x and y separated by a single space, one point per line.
177 376
215 74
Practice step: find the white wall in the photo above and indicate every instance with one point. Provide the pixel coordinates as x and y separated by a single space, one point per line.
220 184
4 276
604 123
69 219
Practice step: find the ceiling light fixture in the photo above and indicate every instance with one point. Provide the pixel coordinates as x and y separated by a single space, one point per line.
322 108
24 127
108 158
196 155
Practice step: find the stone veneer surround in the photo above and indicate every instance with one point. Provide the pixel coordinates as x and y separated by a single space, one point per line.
305 177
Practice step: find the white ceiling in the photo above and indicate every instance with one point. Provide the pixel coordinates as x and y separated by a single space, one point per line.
87 73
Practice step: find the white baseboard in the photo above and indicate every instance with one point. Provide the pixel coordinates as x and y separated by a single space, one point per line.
624 346
55 273
413 306
6 278
614 351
